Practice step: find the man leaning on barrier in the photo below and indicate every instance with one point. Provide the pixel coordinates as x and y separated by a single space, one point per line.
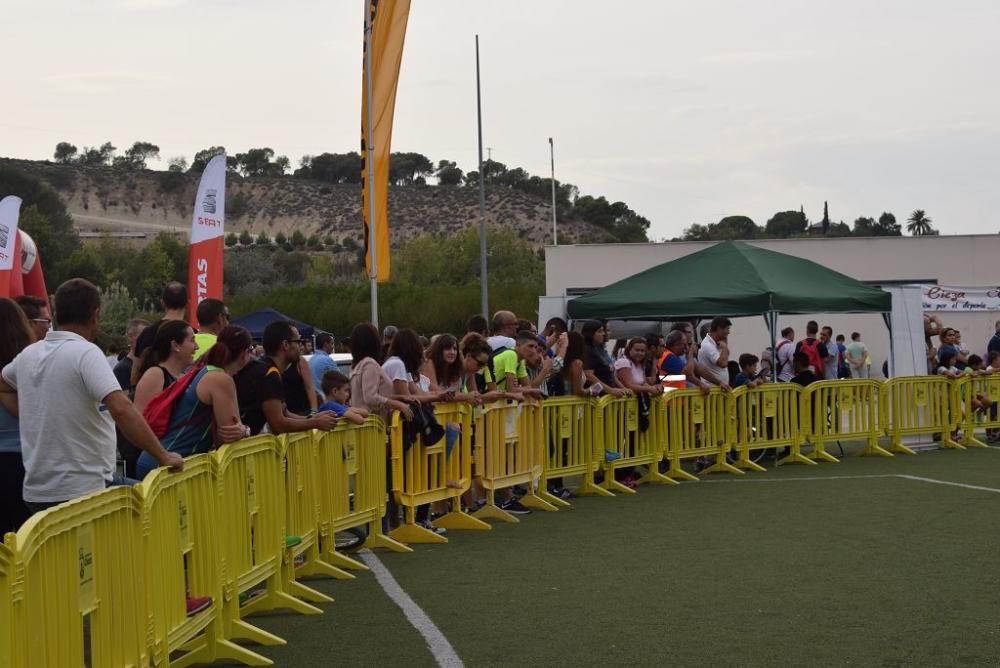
68 402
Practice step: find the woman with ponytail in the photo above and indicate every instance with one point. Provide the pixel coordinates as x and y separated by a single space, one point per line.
206 413
171 354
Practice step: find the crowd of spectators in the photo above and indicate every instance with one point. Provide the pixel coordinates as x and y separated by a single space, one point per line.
68 416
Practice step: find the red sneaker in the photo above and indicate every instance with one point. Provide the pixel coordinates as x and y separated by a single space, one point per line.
196 604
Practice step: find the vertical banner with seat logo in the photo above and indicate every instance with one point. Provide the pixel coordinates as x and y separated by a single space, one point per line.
388 19
10 210
207 237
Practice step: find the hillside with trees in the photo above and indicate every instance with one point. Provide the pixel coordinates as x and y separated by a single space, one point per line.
106 191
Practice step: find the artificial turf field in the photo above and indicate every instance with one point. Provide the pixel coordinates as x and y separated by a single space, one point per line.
849 570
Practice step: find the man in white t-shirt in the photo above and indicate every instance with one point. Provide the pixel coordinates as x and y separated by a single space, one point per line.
68 402
504 329
713 355
785 349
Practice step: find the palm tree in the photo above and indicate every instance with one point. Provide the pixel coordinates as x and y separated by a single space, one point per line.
918 224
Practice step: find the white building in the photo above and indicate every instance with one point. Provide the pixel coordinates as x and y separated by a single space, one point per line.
966 262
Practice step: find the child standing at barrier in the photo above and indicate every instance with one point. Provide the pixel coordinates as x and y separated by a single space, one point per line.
803 370
337 392
977 367
748 375
946 364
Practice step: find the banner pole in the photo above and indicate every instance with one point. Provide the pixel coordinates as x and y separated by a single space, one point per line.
483 285
552 159
370 163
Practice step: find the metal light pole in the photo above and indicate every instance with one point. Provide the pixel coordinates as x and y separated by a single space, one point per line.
370 163
483 287
552 159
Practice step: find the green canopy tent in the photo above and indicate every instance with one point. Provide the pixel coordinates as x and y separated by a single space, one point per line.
733 279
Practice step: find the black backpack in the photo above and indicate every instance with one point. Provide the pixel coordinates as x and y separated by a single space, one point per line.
481 384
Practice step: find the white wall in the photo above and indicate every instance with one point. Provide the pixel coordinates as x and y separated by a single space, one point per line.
968 260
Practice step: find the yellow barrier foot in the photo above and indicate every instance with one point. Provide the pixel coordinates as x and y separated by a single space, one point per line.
874 449
413 533
461 521
381 541
491 512
246 631
308 593
536 502
654 477
902 449
722 467
796 458
677 473
948 442
283 600
588 487
971 441
748 465
224 649
553 499
342 561
320 567
611 484
817 455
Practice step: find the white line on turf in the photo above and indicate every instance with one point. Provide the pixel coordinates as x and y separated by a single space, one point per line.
439 646
859 477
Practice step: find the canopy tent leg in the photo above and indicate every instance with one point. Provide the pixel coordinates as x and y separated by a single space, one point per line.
887 317
771 320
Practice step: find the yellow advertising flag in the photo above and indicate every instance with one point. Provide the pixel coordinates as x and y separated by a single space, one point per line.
388 21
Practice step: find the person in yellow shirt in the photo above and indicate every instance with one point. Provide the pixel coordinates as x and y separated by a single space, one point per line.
213 315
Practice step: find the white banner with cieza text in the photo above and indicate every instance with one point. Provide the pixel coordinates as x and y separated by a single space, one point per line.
945 298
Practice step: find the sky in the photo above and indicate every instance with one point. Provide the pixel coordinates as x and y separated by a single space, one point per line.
687 112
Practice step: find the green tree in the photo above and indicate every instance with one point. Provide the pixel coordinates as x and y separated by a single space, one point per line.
887 226
864 227
201 158
331 168
786 224
736 227
246 239
280 239
404 168
448 173
136 156
292 267
313 242
919 224
118 307
44 217
257 162
65 152
298 239
263 239
826 219
237 205
454 259
232 239
178 164
350 244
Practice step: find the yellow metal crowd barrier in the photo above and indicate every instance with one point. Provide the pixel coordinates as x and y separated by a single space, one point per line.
251 502
182 543
77 592
838 410
508 452
425 474
352 466
103 580
302 491
768 417
572 445
699 424
977 398
617 429
6 615
918 405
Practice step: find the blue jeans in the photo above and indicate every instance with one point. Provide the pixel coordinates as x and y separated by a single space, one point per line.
116 481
